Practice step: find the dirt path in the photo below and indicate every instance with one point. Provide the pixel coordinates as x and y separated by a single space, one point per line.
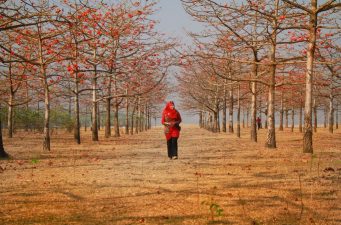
130 180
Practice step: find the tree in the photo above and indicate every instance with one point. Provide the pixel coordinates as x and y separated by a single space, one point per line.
312 10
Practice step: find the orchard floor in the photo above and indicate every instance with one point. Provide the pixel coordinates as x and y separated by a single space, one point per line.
130 180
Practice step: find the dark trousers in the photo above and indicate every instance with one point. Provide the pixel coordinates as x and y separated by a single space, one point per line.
172 147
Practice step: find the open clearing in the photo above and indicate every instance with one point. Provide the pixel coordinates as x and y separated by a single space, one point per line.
130 180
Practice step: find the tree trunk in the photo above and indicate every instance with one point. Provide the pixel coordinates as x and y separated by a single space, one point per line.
3 153
300 127
200 120
98 116
231 111
215 122
140 120
247 117
137 117
146 118
292 119
224 111
271 134
281 112
308 133
10 103
286 117
253 113
266 116
86 118
94 128
76 120
107 118
77 128
315 116
337 116
47 139
132 120
238 112
260 111
325 113
243 117
116 119
149 119
10 115
270 110
127 116
27 105
204 119
331 114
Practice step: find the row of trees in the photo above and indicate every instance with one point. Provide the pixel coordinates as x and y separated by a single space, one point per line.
76 54
282 53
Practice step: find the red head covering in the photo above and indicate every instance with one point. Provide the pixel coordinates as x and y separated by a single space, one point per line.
172 113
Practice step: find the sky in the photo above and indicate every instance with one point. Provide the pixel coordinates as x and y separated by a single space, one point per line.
174 22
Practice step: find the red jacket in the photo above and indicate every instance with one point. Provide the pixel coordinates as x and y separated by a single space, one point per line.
171 119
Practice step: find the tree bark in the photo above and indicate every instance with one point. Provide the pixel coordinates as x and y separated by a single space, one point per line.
98 116
300 117
253 112
107 118
146 118
215 122
231 110
10 115
76 120
315 116
10 105
248 117
331 114
3 153
127 116
94 128
292 119
224 111
281 112
270 111
27 106
137 116
116 119
86 118
271 134
286 117
337 116
308 133
266 115
243 117
77 127
325 114
47 139
200 119
204 119
132 120
238 112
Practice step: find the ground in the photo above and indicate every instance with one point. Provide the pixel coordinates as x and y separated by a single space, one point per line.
218 179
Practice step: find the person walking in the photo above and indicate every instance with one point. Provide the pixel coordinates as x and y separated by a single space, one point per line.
170 120
259 122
